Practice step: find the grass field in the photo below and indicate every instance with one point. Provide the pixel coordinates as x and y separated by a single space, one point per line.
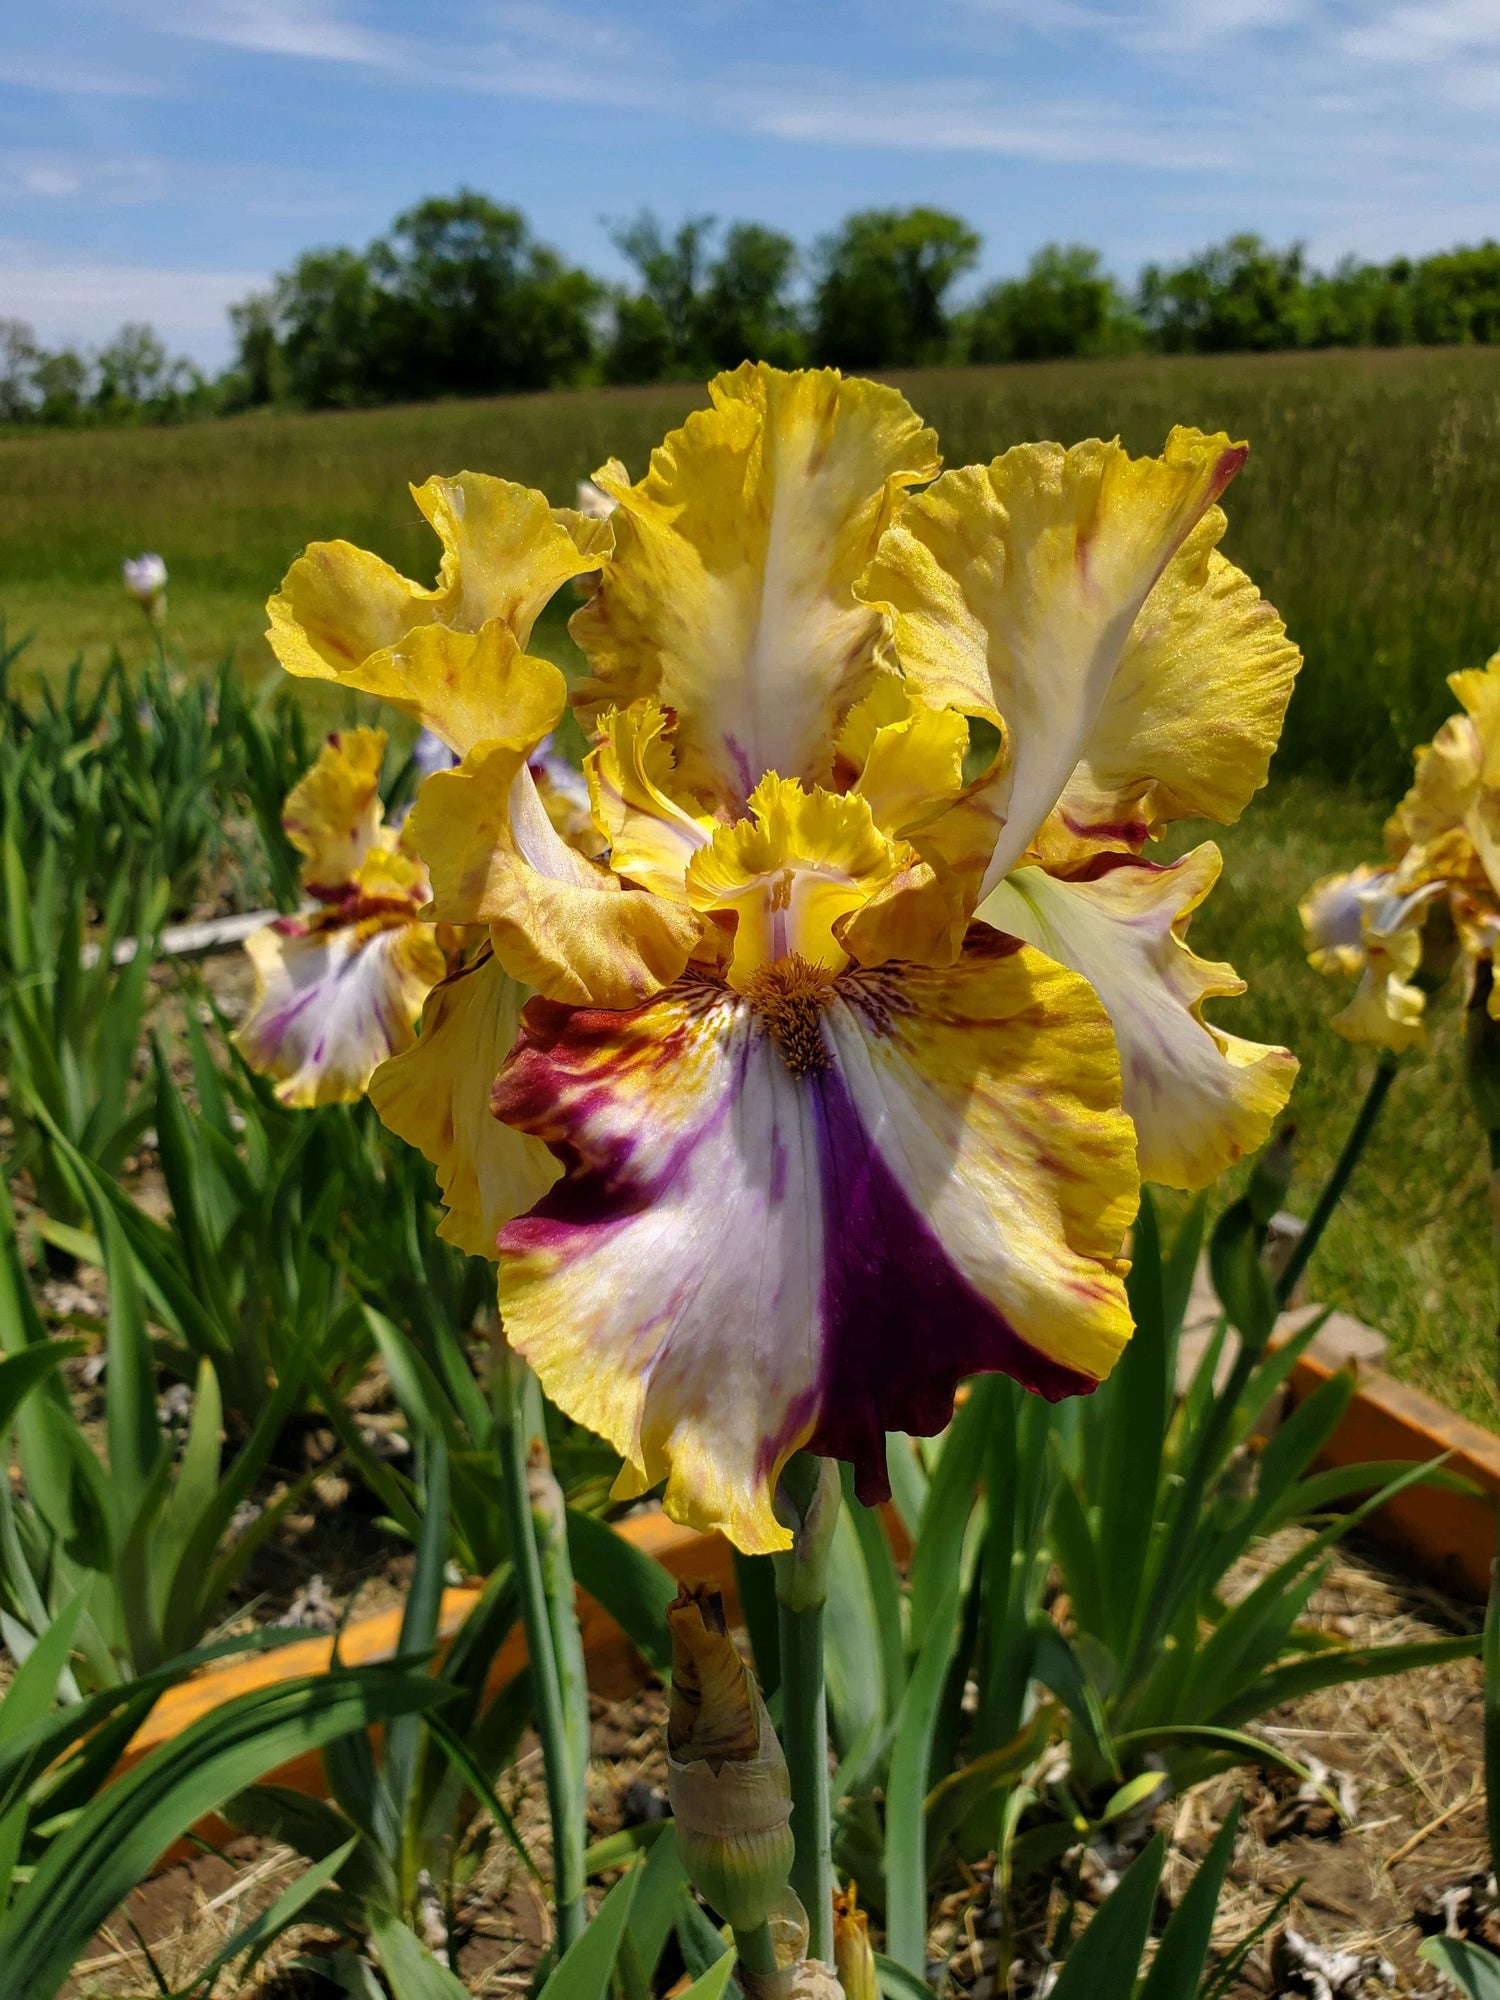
1369 513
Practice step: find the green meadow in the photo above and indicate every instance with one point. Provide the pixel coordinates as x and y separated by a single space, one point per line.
1369 513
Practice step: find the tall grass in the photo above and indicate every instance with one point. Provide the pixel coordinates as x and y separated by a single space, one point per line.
1369 512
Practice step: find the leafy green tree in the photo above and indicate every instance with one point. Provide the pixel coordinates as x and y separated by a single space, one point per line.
640 347
19 355
1067 304
474 304
459 299
658 331
1456 296
747 313
259 372
62 380
1239 296
1359 305
885 276
697 312
135 377
328 311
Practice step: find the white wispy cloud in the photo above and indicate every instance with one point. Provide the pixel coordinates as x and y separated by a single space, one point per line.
81 298
64 76
953 115
1433 31
308 29
80 176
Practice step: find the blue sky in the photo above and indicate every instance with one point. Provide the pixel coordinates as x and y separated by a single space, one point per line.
160 158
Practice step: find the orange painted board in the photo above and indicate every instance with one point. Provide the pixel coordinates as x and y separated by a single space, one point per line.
1452 1535
615 1668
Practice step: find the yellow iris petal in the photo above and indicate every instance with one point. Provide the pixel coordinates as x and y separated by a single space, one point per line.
333 815
391 873
1015 587
344 615
436 1096
1199 1098
1445 787
652 837
559 922
1479 691
789 872
910 758
1193 712
730 596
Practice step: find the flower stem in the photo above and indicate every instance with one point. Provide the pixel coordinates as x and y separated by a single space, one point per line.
757 1951
539 1543
812 1502
1338 1180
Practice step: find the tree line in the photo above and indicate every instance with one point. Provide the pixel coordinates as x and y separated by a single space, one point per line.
459 298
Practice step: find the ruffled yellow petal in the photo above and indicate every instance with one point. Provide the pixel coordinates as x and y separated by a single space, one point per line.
790 872
1445 788
333 815
1193 712
436 1096
652 837
1199 1098
1015 587
1479 691
333 1000
761 1243
1386 1012
910 758
391 875
344 615
730 597
559 922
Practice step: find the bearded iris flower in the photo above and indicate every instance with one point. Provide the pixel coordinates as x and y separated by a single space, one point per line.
830 1078
1398 927
339 989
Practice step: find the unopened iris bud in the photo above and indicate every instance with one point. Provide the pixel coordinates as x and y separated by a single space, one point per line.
145 577
726 1776
853 1954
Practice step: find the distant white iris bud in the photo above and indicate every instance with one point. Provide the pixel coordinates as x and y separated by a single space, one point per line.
145 577
726 1775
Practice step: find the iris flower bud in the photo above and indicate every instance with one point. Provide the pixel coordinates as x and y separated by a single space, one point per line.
145 577
726 1776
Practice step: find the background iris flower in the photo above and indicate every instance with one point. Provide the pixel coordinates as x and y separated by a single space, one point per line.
848 1048
1399 927
339 989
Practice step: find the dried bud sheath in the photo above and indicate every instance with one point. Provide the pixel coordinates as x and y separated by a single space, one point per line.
726 1775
